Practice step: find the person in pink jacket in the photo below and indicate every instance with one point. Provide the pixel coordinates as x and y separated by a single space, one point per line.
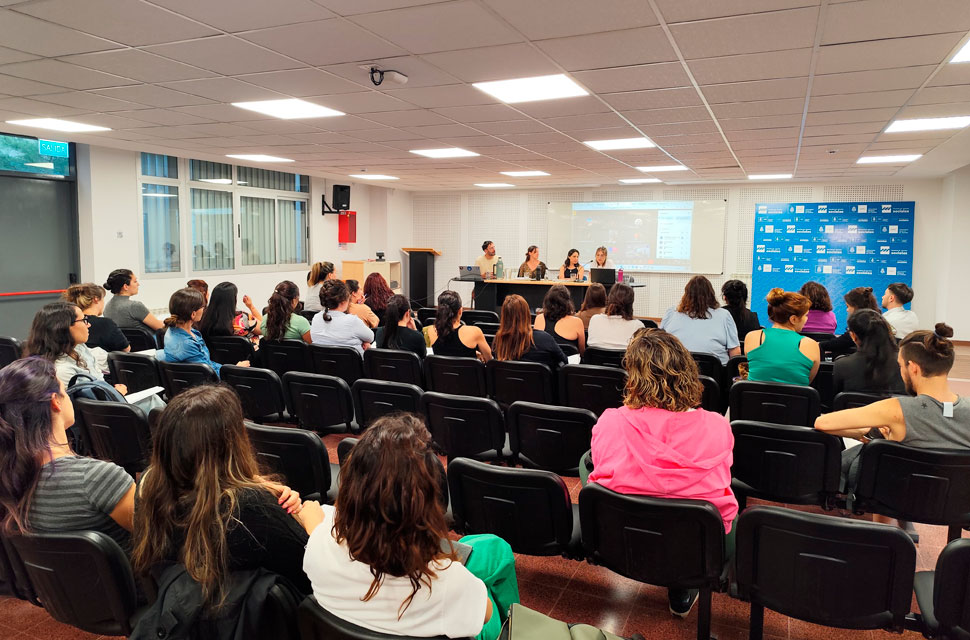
659 444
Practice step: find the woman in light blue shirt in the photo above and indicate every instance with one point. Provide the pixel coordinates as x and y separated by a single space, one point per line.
334 326
182 342
700 323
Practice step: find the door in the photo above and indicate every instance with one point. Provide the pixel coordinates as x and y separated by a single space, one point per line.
38 247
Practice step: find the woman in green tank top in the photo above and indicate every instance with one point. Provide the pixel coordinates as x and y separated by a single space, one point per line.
779 353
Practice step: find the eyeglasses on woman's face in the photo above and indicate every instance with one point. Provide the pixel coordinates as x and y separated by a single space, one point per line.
82 319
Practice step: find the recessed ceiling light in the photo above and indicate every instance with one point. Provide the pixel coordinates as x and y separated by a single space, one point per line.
963 55
449 152
218 180
620 143
290 109
638 180
664 167
372 176
523 174
493 185
929 124
769 176
888 159
258 158
532 89
58 125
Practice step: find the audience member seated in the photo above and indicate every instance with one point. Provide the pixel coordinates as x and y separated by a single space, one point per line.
735 295
532 268
930 417
613 328
357 306
201 286
334 326
320 272
557 318
593 303
779 353
126 312
376 294
103 334
222 319
659 444
571 269
515 339
203 504
281 321
902 320
873 368
449 336
821 318
700 323
44 486
380 557
398 331
182 342
855 299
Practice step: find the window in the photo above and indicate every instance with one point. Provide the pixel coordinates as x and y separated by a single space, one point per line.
160 221
30 155
278 180
258 230
211 172
293 231
212 237
159 166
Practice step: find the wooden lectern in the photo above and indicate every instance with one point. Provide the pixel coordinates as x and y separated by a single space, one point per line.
421 275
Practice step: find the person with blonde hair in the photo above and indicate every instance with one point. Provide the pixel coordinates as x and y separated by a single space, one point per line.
319 273
103 334
779 353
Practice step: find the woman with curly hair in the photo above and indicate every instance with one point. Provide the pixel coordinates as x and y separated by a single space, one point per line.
821 318
557 318
376 294
334 326
700 323
281 321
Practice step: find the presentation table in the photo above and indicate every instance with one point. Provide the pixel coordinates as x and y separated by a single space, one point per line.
490 294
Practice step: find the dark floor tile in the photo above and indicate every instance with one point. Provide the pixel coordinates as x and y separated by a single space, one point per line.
20 615
539 596
600 581
801 630
50 629
575 607
731 612
545 569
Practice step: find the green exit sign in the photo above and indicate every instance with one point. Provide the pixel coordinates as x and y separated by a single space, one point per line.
53 148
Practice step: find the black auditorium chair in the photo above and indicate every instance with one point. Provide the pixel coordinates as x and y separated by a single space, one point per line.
376 398
474 316
427 315
824 383
298 455
711 397
116 431
818 337
774 402
343 362
678 543
943 594
854 399
139 339
282 356
465 426
229 349
307 314
528 508
488 328
830 571
593 387
316 623
784 463
649 324
708 364
931 486
393 365
14 583
260 390
731 370
137 371
319 402
457 376
549 437
344 447
604 357
179 376
512 380
10 350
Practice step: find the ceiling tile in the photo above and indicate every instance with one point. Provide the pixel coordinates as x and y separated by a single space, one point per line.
479 113
654 99
301 82
877 80
458 95
29 34
937 110
225 54
756 90
951 74
566 107
886 54
661 116
162 117
229 113
847 129
240 15
412 118
662 75
362 102
482 64
11 55
89 101
35 108
511 126
324 42
685 10
752 66
137 64
761 122
589 121
752 33
224 90
23 87
678 128
66 75
153 96
936 95
759 108
354 7
855 115
761 134
441 130
613 49
541 19
871 100
880 19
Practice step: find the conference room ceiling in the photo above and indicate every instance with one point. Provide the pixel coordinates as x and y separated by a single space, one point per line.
728 88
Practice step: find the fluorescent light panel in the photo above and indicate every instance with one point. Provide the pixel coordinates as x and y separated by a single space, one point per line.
58 125
620 143
769 176
661 168
493 185
258 158
289 109
372 176
929 124
888 159
523 174
638 180
532 89
963 55
451 152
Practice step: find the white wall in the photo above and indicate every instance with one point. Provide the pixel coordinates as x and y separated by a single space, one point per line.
950 241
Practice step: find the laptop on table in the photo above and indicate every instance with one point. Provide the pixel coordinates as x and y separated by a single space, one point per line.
602 275
469 272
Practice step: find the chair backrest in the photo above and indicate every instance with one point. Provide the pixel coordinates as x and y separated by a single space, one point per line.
847 573
427 315
137 371
785 463
549 437
528 508
316 623
229 349
260 390
853 399
307 314
343 362
604 357
568 349
320 402
10 350
139 339
711 398
951 589
465 426
709 364
817 336
474 316
774 402
117 431
457 376
344 447
593 387
661 541
13 574
394 365
83 578
488 328
731 370
298 455
179 376
649 324
510 381
824 383
376 398
282 356
931 486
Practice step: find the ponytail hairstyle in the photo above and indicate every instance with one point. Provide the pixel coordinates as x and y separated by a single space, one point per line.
50 333
698 298
377 292
782 305
931 350
818 295
568 255
333 293
182 305
280 308
531 248
84 295
397 307
220 312
735 292
877 346
449 304
514 335
117 279
861 298
26 428
319 272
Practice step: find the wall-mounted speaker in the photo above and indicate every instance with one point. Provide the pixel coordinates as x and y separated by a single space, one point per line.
341 197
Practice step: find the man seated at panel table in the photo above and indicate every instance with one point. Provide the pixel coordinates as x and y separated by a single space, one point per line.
486 261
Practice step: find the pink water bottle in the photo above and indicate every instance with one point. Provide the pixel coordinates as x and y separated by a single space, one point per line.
619 275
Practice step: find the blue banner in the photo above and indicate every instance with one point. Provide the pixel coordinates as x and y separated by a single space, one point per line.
842 245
